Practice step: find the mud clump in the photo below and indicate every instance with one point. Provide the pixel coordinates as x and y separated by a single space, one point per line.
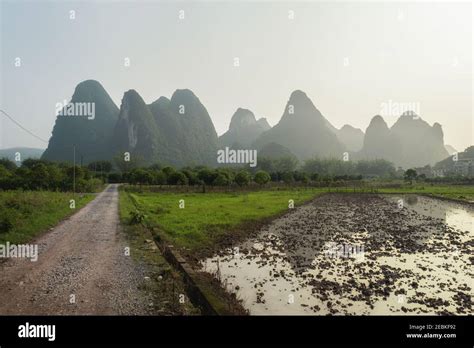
357 254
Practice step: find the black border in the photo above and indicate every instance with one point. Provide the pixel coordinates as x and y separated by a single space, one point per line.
259 330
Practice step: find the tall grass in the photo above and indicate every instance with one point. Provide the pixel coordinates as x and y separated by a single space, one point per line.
25 214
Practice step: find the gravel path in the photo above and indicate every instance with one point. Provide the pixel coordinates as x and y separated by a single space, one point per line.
83 256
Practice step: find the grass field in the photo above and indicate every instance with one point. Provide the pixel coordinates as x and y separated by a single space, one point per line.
207 217
25 214
458 192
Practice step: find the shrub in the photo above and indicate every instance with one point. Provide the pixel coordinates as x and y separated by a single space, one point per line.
221 180
114 178
137 217
177 178
159 178
242 178
6 223
287 177
207 176
262 177
192 177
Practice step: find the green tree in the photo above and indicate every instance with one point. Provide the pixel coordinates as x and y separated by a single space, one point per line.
4 172
261 177
192 177
7 164
31 162
159 178
100 166
286 164
56 177
287 177
410 175
221 180
141 176
266 164
242 178
177 178
207 176
156 167
168 171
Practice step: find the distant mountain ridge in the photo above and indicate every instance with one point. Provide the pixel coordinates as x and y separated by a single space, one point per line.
352 138
244 129
179 131
303 130
25 153
410 142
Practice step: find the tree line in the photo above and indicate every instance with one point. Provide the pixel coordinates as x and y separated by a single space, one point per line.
35 174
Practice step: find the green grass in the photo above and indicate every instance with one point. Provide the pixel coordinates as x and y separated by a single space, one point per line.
458 192
165 290
207 217
26 214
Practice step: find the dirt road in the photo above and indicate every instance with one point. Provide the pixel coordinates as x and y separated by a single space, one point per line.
81 268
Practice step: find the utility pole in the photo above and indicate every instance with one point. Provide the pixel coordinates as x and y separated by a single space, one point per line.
74 174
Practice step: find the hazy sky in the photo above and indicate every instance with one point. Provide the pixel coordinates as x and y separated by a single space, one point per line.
348 57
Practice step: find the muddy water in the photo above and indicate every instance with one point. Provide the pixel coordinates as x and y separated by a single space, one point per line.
357 254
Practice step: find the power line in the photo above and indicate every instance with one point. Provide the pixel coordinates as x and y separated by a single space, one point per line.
19 125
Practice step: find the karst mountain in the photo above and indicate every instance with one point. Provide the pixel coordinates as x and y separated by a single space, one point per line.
179 131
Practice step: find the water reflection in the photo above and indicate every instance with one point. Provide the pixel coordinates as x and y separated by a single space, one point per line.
416 259
456 215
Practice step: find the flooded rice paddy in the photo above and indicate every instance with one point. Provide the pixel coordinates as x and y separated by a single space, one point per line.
345 254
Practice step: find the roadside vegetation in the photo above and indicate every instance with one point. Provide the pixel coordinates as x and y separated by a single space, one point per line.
166 283
35 175
26 214
37 195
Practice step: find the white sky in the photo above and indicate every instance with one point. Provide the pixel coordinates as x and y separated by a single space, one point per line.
403 52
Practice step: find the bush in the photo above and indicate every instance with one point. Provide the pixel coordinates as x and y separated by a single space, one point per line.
6 223
159 178
287 177
90 185
242 178
7 164
168 171
100 166
207 176
177 178
8 219
192 177
261 177
137 217
114 178
141 176
221 180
